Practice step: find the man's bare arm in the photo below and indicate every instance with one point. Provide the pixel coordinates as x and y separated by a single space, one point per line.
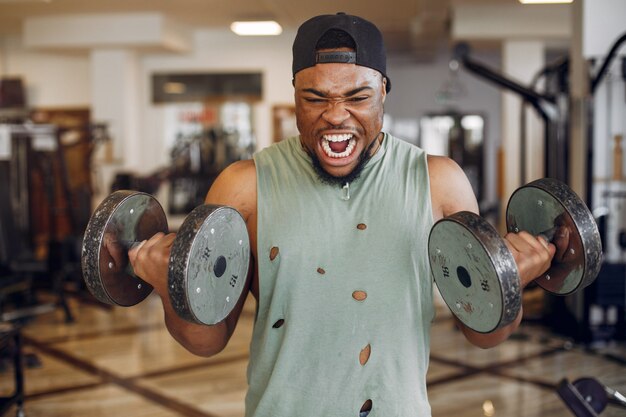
235 187
451 192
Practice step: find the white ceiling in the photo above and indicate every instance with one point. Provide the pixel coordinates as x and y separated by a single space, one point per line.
417 27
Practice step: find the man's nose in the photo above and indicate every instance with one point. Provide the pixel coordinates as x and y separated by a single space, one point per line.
336 113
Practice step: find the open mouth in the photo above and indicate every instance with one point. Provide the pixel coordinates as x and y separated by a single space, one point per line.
338 146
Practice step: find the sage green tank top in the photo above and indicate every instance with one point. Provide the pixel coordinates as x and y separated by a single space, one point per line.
345 291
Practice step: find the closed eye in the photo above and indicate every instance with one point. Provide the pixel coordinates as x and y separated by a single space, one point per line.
314 100
324 100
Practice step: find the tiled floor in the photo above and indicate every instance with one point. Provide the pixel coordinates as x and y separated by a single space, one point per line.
121 362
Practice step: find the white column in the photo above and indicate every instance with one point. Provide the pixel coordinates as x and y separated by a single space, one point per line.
115 101
579 93
521 60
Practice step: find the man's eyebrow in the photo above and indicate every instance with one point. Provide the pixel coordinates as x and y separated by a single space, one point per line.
346 94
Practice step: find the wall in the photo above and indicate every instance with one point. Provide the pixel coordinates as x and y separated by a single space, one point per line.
222 51
64 80
51 79
414 91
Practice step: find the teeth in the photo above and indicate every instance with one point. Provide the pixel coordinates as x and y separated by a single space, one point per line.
338 138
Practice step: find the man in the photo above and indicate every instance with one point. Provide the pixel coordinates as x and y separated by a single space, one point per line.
338 220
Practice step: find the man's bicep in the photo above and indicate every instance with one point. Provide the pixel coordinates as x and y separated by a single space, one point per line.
235 187
451 190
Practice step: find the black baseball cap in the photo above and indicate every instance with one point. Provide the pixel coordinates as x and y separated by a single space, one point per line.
369 51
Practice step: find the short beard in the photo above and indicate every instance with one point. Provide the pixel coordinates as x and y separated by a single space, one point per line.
326 178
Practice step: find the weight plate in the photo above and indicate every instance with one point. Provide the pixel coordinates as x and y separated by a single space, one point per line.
122 218
593 393
573 400
474 271
209 264
548 203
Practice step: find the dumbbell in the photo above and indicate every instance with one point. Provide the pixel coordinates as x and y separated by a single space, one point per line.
475 271
208 262
588 397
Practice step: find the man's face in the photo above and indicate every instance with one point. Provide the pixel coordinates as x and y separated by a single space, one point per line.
339 113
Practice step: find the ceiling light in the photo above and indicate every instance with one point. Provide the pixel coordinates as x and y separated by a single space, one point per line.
545 1
257 28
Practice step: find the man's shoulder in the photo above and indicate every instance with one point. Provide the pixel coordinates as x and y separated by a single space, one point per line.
240 169
450 189
278 147
235 187
396 142
278 155
399 148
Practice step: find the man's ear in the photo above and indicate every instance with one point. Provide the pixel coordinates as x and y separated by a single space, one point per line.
384 87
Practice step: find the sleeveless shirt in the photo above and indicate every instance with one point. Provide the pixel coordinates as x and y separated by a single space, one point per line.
345 290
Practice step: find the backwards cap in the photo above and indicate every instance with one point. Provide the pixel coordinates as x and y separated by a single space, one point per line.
369 51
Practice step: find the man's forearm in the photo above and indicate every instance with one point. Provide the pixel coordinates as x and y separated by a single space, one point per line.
489 340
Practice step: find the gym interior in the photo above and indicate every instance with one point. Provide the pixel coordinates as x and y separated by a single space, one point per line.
160 97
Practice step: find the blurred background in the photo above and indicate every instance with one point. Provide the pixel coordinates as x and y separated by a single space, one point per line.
160 96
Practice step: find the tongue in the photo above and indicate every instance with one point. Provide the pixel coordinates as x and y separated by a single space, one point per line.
338 147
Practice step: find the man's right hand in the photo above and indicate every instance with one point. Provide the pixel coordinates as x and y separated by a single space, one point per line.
150 260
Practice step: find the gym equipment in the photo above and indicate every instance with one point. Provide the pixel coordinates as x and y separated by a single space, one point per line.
553 105
475 271
548 203
552 111
550 94
208 261
209 264
121 219
587 397
11 343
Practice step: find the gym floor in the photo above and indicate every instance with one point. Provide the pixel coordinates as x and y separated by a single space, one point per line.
122 362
